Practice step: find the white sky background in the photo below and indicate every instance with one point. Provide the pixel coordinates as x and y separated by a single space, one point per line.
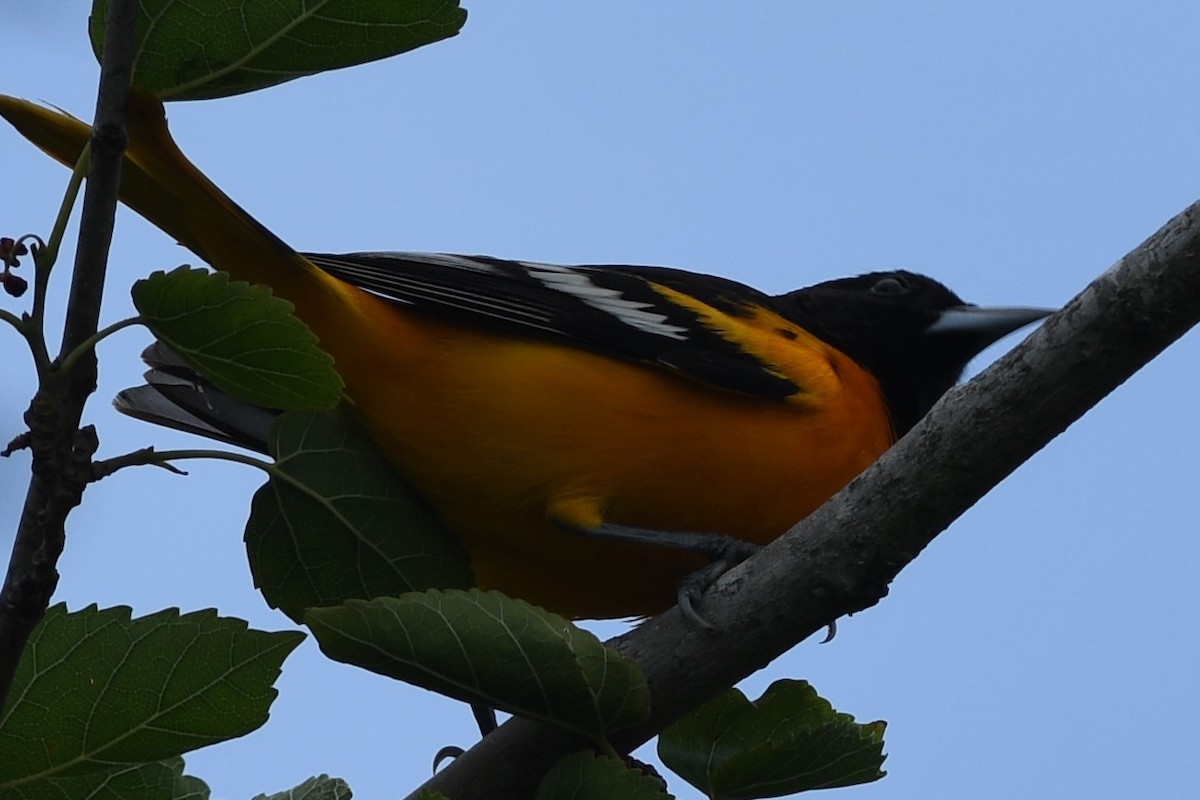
1046 646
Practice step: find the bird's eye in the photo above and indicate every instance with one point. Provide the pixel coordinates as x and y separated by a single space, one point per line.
891 285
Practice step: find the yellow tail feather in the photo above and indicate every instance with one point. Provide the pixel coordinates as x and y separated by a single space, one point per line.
164 187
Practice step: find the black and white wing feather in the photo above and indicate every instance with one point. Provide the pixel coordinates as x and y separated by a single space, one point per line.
613 310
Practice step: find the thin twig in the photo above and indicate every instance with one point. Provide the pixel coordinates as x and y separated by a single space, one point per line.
149 457
51 247
88 345
20 442
45 255
14 320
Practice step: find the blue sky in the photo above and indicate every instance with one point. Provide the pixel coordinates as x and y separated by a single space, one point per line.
1044 646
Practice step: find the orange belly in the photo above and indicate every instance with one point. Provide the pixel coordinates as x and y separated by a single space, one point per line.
511 440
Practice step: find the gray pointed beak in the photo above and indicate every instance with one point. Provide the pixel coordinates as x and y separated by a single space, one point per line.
985 324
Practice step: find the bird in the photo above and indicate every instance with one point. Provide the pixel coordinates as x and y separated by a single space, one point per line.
584 431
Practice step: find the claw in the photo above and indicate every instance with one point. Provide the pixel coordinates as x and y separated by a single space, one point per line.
449 751
686 598
830 632
724 553
485 718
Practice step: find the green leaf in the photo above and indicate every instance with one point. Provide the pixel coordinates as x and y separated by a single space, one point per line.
162 780
586 776
239 336
95 689
335 522
320 787
789 740
485 648
196 51
186 787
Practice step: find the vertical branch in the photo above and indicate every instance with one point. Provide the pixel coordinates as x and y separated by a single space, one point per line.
62 452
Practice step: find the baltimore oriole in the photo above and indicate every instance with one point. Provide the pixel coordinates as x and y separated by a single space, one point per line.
524 399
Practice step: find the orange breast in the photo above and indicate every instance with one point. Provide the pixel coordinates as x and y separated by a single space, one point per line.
509 439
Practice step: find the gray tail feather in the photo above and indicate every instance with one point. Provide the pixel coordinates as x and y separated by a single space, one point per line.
175 396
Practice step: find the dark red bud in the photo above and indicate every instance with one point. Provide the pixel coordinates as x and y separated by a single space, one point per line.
14 284
9 250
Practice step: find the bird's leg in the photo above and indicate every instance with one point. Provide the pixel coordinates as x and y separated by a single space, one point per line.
723 553
485 718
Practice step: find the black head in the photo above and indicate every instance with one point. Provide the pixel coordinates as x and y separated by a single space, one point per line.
909 331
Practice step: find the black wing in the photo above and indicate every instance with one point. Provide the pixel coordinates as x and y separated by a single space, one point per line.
613 310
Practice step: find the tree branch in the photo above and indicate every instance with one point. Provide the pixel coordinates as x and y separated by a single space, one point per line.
841 558
62 452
